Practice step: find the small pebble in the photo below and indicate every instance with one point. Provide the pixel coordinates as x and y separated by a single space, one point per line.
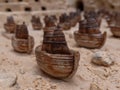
103 59
95 87
7 79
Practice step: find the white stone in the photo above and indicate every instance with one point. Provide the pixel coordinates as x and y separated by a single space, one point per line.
7 79
102 58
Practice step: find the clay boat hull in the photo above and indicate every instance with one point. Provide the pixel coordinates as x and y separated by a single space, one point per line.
10 28
36 26
58 66
115 31
23 45
90 41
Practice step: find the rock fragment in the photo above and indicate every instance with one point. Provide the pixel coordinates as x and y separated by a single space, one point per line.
95 87
103 59
7 79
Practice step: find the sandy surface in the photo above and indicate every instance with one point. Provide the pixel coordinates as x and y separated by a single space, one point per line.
29 77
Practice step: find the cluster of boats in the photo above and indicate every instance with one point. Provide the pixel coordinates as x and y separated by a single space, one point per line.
54 56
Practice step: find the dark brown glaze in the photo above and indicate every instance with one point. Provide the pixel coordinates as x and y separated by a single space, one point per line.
21 32
64 18
59 45
83 27
47 38
55 58
50 26
36 23
10 25
54 42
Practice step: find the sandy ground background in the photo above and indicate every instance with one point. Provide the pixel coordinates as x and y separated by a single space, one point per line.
29 77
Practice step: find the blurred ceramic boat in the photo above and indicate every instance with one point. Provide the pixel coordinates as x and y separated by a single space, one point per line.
89 35
21 41
115 30
10 26
36 23
64 22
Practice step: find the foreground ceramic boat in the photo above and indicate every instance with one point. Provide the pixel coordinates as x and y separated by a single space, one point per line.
90 41
56 65
10 26
115 30
55 58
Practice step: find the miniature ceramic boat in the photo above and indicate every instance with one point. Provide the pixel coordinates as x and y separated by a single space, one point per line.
115 30
113 19
50 23
10 26
93 15
56 65
54 56
36 23
64 22
23 45
75 17
22 42
90 40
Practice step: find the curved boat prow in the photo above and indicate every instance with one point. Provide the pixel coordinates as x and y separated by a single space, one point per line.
104 39
76 64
